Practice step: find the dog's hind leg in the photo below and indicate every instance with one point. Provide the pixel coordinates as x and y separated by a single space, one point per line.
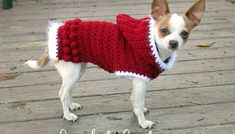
83 70
72 105
70 73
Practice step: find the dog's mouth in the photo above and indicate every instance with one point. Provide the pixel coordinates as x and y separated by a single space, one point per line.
173 49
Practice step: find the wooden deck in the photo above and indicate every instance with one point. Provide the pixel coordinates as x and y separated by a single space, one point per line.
196 97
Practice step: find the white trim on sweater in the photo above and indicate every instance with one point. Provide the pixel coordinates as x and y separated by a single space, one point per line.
131 75
53 39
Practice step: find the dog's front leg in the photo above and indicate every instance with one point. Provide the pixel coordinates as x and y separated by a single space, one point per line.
137 98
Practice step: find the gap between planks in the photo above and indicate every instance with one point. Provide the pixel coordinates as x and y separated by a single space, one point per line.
168 119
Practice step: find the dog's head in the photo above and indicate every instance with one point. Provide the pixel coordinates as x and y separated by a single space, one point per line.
172 30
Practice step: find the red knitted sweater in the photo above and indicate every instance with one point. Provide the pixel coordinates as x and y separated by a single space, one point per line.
123 48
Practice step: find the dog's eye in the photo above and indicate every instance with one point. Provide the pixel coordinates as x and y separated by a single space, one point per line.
184 34
165 31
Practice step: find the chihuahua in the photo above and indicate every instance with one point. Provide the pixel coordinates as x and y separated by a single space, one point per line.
136 49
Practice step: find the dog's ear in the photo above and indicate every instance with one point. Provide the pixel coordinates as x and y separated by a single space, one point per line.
196 12
159 8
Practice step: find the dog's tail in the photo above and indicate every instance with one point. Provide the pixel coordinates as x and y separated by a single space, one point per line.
41 62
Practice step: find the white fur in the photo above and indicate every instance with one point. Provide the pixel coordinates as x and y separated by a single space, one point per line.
70 73
177 23
33 64
138 100
154 37
176 26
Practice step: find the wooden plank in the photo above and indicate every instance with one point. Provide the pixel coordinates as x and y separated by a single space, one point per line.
116 4
30 24
204 65
217 129
90 9
96 4
24 111
41 89
143 8
88 1
41 25
173 118
197 96
39 45
111 13
194 54
38 78
194 35
26 46
22 30
25 2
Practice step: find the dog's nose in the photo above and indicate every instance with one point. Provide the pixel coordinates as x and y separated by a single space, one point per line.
173 44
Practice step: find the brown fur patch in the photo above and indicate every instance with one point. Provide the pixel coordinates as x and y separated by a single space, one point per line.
159 8
232 1
196 12
163 23
188 24
44 59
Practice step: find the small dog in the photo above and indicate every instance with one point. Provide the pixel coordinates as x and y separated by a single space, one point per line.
137 49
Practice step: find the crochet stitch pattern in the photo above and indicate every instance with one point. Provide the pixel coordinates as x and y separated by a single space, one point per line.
125 48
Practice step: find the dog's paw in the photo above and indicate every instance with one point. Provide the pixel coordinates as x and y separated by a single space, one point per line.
146 111
71 117
75 106
148 124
